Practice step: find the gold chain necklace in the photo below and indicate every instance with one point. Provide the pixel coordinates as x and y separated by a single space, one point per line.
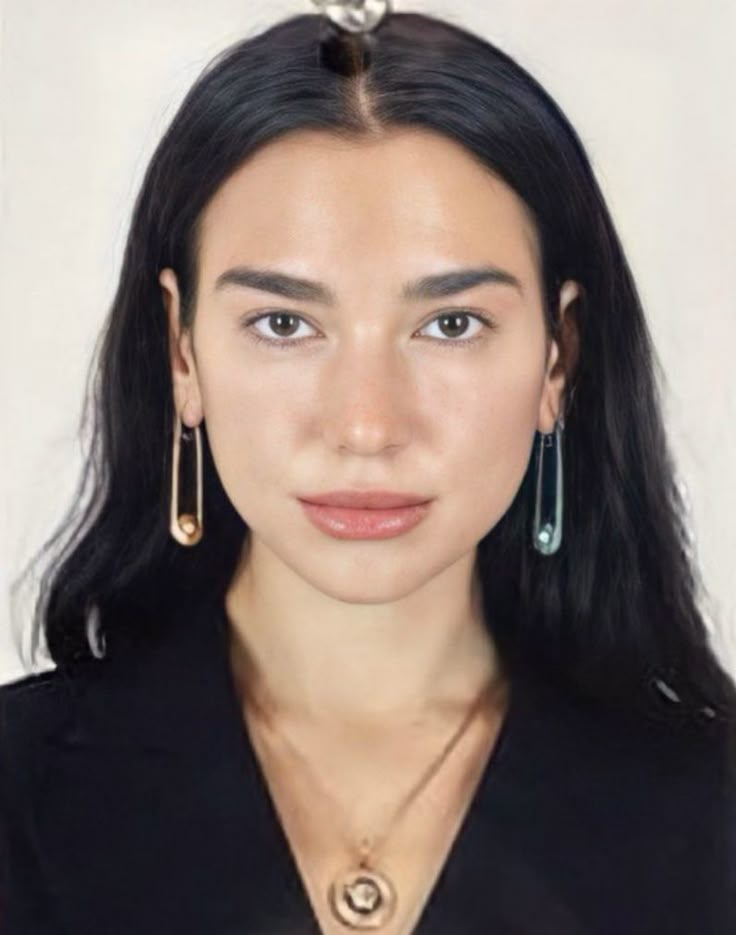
362 896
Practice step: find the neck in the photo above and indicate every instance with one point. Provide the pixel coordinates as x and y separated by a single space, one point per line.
306 656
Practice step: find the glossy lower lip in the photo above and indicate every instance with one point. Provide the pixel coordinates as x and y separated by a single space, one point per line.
349 523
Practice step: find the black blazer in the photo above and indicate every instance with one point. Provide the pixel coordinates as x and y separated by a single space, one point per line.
133 804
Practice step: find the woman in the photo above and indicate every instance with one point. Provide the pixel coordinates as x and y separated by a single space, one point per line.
379 613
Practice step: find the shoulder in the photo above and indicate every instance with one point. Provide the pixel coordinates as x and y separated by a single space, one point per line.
649 760
656 740
611 803
24 700
619 770
135 655
31 708
621 782
149 689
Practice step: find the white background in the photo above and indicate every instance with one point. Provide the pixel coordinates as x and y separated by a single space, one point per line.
88 86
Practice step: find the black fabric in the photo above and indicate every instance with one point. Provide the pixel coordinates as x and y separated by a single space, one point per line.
133 804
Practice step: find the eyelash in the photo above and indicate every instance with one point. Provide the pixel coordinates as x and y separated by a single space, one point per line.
282 343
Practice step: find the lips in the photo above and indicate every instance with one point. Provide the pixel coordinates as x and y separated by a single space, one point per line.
365 499
359 523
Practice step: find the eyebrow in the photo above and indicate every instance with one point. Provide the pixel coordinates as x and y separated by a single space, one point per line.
435 286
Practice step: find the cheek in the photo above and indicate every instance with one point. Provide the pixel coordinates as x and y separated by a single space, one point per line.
492 442
246 414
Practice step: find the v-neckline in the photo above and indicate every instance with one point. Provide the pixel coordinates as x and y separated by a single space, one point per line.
495 760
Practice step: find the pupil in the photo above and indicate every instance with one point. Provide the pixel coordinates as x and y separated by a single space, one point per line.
277 321
454 318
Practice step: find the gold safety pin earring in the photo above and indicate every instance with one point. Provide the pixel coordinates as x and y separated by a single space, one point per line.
186 528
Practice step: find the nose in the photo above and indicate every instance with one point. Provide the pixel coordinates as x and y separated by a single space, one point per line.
367 396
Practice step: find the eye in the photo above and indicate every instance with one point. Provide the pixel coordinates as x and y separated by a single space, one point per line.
281 322
453 321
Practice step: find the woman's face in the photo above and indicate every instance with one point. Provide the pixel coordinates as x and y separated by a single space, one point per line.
358 380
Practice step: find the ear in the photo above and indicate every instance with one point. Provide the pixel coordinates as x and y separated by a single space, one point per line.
185 383
561 359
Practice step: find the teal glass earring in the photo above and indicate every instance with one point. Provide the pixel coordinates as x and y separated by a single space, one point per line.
548 500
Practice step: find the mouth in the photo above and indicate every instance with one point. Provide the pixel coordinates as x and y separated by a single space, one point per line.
350 522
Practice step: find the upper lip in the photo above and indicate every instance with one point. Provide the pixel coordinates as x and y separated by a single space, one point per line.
365 499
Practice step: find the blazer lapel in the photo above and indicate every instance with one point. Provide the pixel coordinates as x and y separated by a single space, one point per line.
146 807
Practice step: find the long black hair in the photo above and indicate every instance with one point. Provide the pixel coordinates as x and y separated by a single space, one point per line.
614 613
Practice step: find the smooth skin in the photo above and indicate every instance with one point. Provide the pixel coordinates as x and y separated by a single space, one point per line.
366 653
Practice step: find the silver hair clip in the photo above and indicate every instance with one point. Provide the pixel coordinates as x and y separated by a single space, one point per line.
347 33
354 16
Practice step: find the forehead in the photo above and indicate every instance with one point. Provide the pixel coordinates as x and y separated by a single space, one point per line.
398 203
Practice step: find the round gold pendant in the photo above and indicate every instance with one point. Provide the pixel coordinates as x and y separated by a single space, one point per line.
362 898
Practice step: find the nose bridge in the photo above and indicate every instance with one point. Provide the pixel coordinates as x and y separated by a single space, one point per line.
367 392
